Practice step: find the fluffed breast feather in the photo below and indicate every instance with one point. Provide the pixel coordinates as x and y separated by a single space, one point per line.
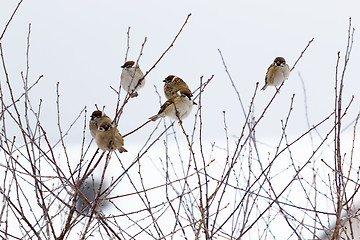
110 140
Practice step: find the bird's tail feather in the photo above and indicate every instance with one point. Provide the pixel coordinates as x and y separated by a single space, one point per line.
154 118
122 149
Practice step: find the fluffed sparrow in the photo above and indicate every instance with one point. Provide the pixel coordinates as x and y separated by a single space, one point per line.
173 84
277 73
176 108
132 78
95 119
108 138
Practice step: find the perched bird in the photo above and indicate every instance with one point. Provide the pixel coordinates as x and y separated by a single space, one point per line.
173 84
95 119
108 138
132 78
277 73
176 108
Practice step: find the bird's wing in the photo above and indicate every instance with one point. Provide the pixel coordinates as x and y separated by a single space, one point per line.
179 84
165 105
270 72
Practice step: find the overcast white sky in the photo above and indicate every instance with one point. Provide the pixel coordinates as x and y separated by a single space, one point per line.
82 45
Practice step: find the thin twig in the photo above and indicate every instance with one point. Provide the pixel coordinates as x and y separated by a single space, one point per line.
301 54
10 19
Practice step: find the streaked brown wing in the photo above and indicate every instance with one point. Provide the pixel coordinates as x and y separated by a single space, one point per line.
165 105
270 72
179 84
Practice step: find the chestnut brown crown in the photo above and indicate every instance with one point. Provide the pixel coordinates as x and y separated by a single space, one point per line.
96 114
279 60
128 64
169 78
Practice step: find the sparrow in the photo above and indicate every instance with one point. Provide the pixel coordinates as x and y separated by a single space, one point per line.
95 119
277 73
108 138
132 78
177 107
173 84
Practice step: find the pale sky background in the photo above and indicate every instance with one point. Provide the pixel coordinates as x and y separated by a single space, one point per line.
82 45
